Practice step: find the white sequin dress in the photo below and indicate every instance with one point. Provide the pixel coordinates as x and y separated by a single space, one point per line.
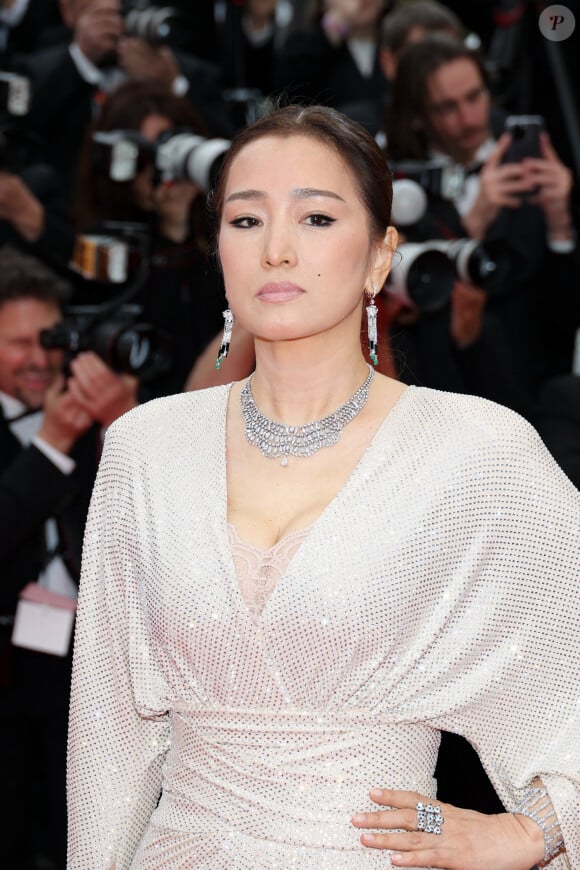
438 590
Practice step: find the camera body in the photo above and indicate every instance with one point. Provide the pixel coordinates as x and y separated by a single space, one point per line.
178 155
425 276
438 177
157 25
124 343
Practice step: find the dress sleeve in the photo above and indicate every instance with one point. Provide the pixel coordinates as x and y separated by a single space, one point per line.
118 732
496 657
521 708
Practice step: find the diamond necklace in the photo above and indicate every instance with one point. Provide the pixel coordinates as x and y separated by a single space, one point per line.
278 441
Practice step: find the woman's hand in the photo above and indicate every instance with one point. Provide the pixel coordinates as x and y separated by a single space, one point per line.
468 840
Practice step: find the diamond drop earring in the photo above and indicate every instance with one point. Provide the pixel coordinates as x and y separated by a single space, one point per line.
226 338
372 311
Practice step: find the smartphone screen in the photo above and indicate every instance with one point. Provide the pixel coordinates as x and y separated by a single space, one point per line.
525 132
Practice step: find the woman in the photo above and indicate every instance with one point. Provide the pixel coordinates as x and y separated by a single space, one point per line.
275 620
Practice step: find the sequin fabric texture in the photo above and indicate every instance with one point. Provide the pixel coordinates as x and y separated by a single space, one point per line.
438 590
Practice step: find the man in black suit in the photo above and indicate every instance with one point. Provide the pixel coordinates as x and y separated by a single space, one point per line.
519 208
50 434
89 55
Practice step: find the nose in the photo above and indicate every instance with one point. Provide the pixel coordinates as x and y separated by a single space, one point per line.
468 115
279 247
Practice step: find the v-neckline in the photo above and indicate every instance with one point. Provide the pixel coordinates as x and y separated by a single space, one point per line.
312 528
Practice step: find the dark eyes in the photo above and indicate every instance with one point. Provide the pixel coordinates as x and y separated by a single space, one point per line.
244 222
319 220
313 220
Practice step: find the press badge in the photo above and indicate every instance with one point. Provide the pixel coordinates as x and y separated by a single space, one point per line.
44 620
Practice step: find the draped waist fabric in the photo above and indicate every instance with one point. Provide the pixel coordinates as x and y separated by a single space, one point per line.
289 781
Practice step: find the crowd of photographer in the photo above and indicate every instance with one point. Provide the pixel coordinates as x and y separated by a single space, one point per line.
114 117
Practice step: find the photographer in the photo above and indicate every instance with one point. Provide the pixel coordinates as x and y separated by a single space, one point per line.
90 57
50 444
336 61
182 294
441 107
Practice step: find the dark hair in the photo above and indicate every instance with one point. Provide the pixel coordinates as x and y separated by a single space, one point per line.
427 14
407 117
96 196
25 277
348 139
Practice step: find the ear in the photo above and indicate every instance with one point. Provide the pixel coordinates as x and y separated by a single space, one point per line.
382 258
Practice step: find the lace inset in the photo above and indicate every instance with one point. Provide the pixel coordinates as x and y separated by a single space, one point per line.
259 571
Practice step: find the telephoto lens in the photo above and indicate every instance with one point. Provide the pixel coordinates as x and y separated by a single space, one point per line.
188 157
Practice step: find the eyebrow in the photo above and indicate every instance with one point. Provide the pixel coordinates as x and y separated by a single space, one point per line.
298 193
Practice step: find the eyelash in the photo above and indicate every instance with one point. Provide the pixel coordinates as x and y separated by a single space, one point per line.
313 220
325 220
244 223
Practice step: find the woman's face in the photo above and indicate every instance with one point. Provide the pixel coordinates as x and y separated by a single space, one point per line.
294 239
143 188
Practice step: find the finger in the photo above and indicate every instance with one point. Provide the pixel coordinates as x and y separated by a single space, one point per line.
547 148
521 185
76 392
57 386
500 149
390 819
423 858
509 201
414 840
398 798
509 171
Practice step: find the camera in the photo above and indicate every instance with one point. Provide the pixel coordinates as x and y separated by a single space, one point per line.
427 271
178 155
438 177
101 257
184 156
113 329
157 25
119 339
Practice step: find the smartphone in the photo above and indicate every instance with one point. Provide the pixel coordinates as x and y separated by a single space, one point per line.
525 132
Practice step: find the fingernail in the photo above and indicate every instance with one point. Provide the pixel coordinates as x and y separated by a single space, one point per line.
396 858
368 838
358 817
376 792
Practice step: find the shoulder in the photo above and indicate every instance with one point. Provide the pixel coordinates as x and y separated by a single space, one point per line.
442 409
464 425
473 448
162 423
